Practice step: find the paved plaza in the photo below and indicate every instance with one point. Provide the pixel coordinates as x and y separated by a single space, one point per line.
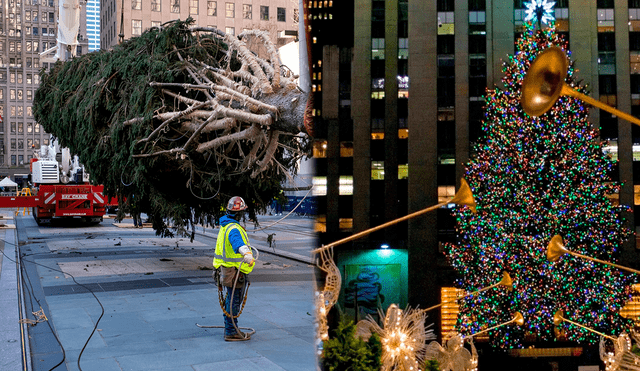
153 292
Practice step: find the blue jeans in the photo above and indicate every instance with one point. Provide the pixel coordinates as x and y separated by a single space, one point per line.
237 299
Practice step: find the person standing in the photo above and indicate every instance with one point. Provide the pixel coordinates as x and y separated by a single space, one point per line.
233 258
135 212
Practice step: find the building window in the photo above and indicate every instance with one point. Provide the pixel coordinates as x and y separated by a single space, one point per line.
403 48
605 20
477 17
175 6
403 171
345 186
377 170
346 149
445 23
136 4
264 13
193 9
29 94
13 157
230 10
607 62
319 186
377 48
136 27
562 19
320 149
230 30
281 15
155 24
50 17
155 5
246 11
19 95
12 94
212 8
606 41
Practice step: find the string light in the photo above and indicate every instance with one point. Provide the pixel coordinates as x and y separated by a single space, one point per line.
534 177
403 337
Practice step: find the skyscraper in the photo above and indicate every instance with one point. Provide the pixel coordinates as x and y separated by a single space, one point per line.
399 102
27 28
93 24
230 16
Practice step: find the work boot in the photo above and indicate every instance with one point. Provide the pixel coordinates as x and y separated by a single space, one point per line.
240 336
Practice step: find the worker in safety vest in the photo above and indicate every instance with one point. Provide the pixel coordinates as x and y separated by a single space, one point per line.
233 257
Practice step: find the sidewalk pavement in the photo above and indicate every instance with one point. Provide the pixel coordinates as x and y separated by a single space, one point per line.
150 320
155 329
294 236
10 335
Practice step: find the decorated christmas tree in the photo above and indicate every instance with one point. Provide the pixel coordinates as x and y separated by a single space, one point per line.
533 178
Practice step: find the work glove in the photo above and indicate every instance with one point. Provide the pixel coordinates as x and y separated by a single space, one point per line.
247 255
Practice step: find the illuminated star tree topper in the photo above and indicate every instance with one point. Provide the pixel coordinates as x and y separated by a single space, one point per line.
540 11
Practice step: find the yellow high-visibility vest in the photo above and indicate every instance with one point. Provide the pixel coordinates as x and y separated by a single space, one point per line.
224 254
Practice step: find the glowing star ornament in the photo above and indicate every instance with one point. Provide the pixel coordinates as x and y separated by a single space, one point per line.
540 10
403 337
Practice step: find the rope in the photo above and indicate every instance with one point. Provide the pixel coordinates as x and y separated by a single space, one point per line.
222 298
233 290
284 217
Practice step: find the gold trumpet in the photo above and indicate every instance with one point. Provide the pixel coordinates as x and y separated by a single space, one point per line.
463 197
556 249
517 318
558 318
505 282
544 84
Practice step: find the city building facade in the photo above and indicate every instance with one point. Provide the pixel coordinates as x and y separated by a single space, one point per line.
28 27
398 103
279 17
93 24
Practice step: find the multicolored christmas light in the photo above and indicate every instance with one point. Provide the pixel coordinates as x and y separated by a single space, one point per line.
533 178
